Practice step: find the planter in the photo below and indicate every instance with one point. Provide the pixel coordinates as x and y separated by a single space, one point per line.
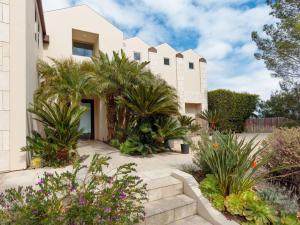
185 148
63 154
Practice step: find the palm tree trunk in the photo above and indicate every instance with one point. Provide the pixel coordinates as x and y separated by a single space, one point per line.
111 116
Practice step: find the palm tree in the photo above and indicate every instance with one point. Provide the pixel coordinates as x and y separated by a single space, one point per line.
212 117
65 80
114 76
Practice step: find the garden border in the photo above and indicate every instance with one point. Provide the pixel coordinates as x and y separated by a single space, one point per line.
204 207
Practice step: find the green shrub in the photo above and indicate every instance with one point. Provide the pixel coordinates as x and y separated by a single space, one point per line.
61 132
233 162
290 219
285 142
210 189
233 107
115 143
69 198
247 204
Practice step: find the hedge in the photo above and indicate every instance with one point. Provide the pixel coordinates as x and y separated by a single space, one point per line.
234 108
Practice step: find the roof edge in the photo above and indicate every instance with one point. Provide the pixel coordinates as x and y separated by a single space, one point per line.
42 18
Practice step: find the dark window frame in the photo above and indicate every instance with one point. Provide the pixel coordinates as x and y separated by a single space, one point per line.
191 65
139 56
87 49
166 61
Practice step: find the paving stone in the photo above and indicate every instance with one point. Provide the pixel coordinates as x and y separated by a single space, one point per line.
193 220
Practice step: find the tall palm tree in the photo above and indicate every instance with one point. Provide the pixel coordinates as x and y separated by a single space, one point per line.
65 80
115 75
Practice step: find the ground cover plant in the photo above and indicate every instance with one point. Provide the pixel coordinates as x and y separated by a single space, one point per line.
87 195
233 168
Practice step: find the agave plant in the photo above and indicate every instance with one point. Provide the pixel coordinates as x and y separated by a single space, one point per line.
212 117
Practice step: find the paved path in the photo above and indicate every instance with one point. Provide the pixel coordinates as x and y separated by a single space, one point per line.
158 165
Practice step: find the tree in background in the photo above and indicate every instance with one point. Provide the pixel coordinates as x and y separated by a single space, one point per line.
280 50
234 108
284 103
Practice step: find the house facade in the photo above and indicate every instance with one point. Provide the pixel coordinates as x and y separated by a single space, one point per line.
27 34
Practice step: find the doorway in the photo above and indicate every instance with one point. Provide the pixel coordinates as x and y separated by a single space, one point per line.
87 120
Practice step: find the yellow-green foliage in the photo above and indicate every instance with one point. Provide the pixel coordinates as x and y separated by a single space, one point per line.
247 204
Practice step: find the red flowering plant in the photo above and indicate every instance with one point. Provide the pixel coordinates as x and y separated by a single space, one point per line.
71 198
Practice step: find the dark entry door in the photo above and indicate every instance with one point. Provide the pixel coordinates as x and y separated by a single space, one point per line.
87 120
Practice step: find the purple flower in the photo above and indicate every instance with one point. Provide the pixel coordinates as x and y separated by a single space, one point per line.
40 181
72 188
123 195
107 210
81 200
49 174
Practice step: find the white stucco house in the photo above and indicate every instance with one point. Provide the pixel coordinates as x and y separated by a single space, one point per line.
27 34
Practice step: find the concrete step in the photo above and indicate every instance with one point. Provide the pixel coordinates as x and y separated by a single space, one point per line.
192 220
168 210
163 188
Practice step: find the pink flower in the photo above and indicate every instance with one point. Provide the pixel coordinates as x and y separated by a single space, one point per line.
107 210
40 181
123 195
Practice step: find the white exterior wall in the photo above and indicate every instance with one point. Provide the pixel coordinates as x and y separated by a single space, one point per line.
136 45
4 85
191 84
80 18
18 78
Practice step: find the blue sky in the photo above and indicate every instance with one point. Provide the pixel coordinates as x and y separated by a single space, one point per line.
219 30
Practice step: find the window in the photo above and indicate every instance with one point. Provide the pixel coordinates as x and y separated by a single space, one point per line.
83 49
191 65
137 56
36 27
166 61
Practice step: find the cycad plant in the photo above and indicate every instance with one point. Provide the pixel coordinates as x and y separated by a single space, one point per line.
212 117
148 100
151 105
61 130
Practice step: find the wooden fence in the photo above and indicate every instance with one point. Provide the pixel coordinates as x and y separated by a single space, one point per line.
263 125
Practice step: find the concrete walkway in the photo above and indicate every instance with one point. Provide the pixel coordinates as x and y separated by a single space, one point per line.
151 167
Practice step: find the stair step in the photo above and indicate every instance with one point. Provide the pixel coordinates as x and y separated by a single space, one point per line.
168 210
163 188
192 220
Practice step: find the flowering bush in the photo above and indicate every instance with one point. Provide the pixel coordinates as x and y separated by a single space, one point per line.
70 199
233 162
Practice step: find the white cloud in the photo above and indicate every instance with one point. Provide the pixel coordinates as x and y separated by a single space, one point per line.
224 28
